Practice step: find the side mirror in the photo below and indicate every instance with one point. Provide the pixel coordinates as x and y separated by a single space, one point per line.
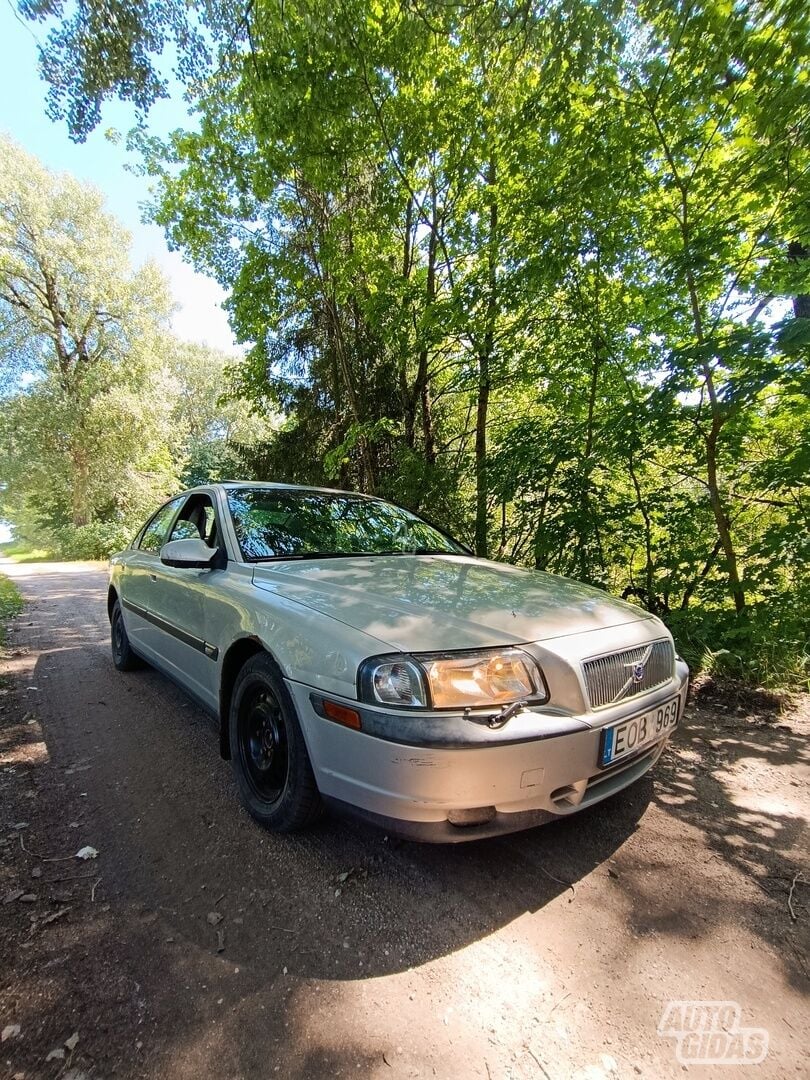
191 554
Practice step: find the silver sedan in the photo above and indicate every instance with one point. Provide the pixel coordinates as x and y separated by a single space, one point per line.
354 655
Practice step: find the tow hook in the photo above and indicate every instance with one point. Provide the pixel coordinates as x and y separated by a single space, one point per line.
499 720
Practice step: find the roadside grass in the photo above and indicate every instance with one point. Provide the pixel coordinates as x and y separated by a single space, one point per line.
20 552
11 603
10 600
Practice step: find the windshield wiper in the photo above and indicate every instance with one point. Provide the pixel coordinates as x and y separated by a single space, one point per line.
420 551
432 551
307 555
300 555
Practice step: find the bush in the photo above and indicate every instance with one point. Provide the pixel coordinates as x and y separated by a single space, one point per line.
98 540
768 645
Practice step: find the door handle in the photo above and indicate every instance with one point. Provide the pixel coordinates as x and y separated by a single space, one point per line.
153 577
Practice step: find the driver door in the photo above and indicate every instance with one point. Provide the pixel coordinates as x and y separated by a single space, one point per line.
138 575
178 605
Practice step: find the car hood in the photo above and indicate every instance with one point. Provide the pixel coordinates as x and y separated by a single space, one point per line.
422 603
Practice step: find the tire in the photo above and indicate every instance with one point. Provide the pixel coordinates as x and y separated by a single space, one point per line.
268 752
123 656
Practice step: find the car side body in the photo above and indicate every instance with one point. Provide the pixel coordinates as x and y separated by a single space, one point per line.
428 774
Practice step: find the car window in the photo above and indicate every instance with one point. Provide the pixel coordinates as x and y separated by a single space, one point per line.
154 535
273 524
197 521
185 530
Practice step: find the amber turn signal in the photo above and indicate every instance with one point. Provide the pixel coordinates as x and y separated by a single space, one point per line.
341 715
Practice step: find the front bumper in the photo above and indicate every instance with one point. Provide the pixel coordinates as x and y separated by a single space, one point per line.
541 766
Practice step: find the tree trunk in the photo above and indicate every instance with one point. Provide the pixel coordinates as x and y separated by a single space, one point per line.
336 339
484 376
797 252
421 390
642 506
721 518
481 456
586 517
711 440
408 405
80 507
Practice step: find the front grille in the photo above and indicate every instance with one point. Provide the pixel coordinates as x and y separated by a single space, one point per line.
613 678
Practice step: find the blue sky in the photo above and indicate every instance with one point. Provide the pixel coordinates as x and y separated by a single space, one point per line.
22 116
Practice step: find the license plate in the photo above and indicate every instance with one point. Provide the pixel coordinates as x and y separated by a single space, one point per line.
632 735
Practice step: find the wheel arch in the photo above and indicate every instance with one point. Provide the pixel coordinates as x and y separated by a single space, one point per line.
237 655
112 596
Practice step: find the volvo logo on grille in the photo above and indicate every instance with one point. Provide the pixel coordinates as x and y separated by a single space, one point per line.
625 674
636 670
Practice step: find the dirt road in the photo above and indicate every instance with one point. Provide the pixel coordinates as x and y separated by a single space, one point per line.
343 952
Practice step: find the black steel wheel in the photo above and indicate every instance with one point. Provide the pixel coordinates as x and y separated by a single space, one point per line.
123 656
268 751
263 744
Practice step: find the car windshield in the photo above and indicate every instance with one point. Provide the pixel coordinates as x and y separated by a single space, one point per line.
278 524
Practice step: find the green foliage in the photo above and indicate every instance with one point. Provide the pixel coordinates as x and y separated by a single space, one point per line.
98 540
769 645
370 433
84 419
24 552
103 413
215 429
128 36
11 602
526 268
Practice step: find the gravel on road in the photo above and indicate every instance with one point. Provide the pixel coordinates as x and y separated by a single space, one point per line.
193 944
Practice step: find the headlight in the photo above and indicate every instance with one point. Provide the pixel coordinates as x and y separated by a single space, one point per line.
452 680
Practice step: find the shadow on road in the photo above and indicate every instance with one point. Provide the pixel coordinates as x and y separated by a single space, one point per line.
342 901
225 945
208 935
751 827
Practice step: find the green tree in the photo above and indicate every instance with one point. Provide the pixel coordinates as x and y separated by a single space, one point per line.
217 431
539 270
727 163
80 333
